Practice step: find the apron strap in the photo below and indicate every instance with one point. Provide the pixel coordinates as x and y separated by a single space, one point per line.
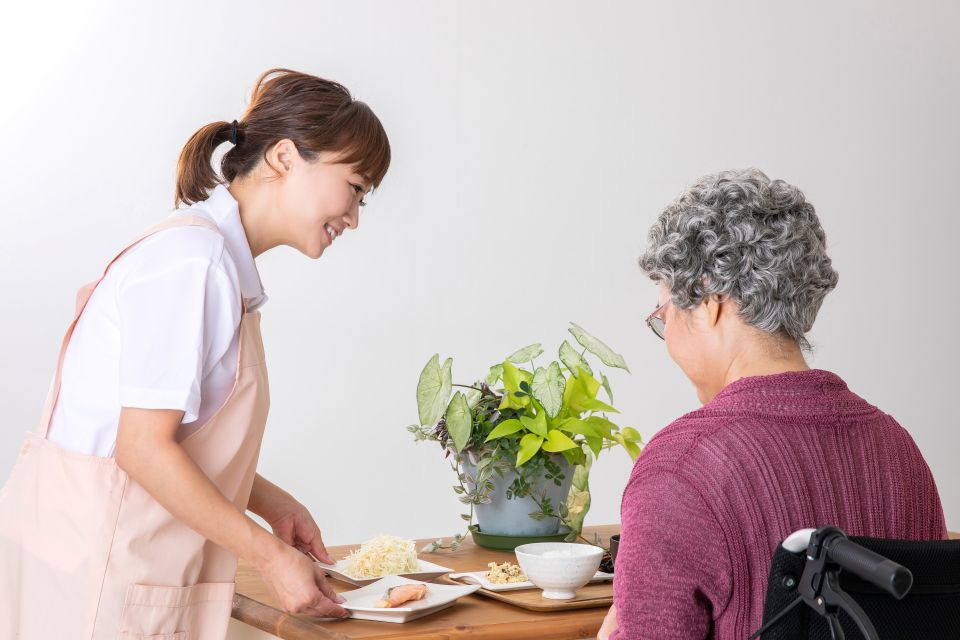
83 296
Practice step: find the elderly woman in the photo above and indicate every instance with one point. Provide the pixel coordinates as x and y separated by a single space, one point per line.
742 268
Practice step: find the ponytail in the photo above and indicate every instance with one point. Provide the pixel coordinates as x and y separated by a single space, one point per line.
317 115
195 175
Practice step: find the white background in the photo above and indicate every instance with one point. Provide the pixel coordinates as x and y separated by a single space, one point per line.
534 144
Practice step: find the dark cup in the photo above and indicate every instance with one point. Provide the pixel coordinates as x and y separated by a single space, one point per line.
614 544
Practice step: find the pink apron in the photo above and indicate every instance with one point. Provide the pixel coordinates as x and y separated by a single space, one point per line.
86 552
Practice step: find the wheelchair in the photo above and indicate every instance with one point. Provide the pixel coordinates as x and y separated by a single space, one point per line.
824 585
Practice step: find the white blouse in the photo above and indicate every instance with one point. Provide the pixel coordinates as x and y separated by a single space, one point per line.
161 331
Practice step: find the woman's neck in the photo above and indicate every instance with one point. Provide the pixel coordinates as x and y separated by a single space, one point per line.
257 217
765 357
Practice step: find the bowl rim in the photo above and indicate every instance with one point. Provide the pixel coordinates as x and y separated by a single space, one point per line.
594 550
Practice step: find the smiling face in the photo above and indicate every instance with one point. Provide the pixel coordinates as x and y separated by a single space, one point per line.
319 200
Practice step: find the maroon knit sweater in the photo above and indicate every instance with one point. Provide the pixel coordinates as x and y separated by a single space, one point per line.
714 492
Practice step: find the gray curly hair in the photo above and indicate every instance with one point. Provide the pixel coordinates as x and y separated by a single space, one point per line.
757 240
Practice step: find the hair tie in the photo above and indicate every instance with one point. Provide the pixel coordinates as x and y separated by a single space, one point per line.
233 132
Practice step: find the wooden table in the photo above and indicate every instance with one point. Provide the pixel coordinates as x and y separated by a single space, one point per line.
475 617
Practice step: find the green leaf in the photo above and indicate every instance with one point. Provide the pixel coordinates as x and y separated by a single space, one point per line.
512 377
558 441
606 387
526 354
574 456
505 428
630 434
595 444
496 371
512 401
473 398
581 475
459 421
573 425
547 388
578 500
568 392
536 424
433 389
598 348
573 360
529 445
579 392
632 448
588 384
602 425
597 405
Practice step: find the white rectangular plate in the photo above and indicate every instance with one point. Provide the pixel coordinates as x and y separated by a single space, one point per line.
480 578
360 602
426 571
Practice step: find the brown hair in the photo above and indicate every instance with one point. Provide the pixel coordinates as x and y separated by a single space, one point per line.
316 114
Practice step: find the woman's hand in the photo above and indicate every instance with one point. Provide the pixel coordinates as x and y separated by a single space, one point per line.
300 585
609 624
292 523
290 520
148 452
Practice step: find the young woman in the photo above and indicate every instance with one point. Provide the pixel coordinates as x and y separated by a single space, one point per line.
125 513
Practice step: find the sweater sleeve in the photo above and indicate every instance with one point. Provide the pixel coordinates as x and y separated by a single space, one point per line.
673 572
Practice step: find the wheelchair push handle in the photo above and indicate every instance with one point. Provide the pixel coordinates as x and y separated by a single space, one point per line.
882 573
828 551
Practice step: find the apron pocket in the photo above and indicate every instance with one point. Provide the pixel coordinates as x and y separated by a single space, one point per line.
197 612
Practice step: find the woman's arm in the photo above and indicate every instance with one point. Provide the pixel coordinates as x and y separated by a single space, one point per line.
290 520
264 497
148 452
672 571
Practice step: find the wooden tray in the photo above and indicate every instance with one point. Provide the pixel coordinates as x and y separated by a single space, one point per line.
597 594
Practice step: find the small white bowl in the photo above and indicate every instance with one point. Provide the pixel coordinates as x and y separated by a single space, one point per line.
559 568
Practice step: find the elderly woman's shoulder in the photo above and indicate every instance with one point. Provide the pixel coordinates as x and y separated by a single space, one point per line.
682 437
724 432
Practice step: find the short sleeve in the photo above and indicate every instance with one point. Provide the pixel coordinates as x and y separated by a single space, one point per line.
178 310
672 563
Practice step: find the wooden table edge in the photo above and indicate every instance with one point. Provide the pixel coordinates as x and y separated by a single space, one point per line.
291 627
283 625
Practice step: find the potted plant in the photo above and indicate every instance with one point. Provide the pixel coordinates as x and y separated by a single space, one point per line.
523 439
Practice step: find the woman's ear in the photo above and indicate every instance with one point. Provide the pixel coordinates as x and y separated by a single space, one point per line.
712 305
281 156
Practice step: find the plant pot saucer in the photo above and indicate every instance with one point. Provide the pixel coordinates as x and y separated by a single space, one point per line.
509 543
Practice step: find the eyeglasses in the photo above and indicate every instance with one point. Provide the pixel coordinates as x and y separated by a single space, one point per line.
655 322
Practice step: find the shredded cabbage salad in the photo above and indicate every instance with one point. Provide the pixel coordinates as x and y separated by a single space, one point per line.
383 556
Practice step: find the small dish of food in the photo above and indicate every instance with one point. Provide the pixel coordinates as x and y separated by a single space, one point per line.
508 577
396 599
383 556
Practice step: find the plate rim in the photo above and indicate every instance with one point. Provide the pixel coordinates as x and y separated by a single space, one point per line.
406 617
469 590
422 571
